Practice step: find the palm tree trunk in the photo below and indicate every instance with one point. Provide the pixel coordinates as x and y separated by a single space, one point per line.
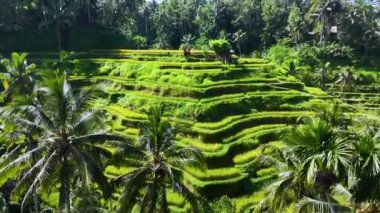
58 32
146 27
321 30
164 203
64 194
89 11
152 207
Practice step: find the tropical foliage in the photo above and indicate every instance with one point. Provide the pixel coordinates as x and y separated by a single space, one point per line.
189 106
160 165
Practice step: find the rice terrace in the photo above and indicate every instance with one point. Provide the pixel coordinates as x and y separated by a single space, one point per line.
189 106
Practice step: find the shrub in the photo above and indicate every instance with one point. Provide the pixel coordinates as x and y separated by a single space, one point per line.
140 42
201 43
221 47
281 53
312 55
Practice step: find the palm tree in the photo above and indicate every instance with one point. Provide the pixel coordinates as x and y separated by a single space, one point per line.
160 165
17 75
367 169
60 16
312 164
326 15
332 113
17 139
295 24
322 74
320 148
187 42
279 193
238 38
68 151
346 80
145 11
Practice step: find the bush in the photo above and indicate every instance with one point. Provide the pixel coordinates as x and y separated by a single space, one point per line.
201 43
312 55
220 46
140 42
281 53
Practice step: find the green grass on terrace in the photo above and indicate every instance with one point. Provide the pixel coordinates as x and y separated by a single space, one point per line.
229 122
247 203
199 183
250 155
215 174
249 132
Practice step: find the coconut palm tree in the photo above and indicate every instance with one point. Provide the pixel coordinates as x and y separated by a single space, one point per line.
322 74
279 193
67 153
17 75
160 165
238 38
17 139
296 25
60 16
187 42
326 16
346 80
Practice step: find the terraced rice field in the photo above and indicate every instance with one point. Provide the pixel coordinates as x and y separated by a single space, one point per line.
227 110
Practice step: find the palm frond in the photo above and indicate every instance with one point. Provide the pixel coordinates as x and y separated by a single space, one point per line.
312 205
44 172
30 173
24 158
97 138
187 156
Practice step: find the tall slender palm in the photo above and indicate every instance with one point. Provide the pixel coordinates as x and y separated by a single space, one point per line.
68 151
58 15
346 80
295 24
322 74
17 75
238 38
18 139
326 15
159 165
187 42
279 193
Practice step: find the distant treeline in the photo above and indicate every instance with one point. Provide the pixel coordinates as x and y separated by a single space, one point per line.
248 24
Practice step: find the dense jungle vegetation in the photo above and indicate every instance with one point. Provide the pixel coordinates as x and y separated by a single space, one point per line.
189 106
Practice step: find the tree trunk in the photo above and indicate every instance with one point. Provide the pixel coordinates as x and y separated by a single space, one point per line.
321 31
164 203
64 194
89 11
366 51
58 32
152 207
146 27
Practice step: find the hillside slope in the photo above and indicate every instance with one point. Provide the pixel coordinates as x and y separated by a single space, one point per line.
227 110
